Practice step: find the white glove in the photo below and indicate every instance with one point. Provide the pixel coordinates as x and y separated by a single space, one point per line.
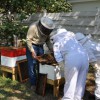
61 65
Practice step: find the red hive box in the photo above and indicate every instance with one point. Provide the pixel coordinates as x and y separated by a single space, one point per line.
9 56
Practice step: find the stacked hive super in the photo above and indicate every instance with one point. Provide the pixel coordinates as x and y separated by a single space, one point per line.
55 76
9 57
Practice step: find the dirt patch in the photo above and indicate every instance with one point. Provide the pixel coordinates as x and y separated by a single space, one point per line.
90 86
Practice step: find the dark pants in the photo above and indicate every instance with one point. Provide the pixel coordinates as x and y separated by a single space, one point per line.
33 65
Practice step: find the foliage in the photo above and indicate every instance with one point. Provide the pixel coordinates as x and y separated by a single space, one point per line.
11 25
9 28
57 6
31 6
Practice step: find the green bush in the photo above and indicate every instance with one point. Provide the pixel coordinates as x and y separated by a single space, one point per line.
9 28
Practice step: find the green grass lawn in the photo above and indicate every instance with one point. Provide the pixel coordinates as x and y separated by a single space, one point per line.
14 90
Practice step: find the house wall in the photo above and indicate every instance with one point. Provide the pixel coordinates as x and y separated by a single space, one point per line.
85 5
86 22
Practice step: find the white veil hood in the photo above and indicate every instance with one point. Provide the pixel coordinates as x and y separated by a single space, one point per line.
61 34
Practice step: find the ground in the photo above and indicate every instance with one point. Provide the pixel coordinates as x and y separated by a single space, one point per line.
14 90
90 85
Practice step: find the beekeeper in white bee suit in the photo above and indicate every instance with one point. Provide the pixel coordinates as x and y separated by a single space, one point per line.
93 49
71 55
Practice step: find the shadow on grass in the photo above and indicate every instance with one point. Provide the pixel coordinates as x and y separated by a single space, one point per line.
88 95
14 90
9 88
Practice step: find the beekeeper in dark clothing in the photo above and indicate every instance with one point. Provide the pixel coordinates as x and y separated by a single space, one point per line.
38 34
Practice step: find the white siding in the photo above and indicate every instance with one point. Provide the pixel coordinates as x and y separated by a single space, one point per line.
75 1
84 5
85 21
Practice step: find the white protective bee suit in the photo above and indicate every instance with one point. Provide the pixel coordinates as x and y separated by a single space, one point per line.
93 50
67 50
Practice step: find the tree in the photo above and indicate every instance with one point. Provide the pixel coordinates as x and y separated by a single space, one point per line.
11 24
9 28
33 6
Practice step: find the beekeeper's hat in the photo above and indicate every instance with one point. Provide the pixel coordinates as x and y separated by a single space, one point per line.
46 25
79 36
47 22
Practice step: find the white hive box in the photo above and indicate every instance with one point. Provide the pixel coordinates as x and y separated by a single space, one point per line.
53 72
10 56
55 76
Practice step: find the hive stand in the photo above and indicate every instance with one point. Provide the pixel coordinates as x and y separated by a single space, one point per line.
56 84
13 70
